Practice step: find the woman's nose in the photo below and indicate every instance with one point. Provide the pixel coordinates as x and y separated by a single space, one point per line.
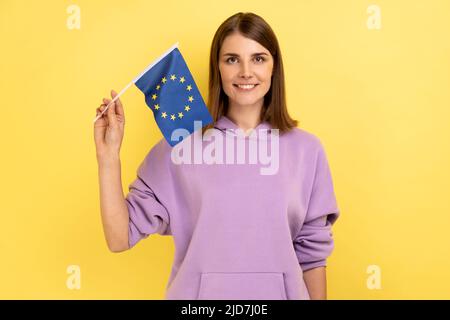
245 70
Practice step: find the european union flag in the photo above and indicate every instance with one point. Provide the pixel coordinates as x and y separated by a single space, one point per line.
171 93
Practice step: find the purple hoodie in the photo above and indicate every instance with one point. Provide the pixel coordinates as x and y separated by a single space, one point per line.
239 234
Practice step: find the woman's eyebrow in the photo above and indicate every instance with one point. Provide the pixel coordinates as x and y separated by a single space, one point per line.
254 54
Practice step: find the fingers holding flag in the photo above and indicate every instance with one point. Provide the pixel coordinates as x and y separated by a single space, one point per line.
111 112
119 106
108 104
116 116
109 127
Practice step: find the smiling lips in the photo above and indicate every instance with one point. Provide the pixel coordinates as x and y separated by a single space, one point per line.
245 87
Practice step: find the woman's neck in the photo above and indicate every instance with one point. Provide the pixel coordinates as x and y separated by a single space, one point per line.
245 117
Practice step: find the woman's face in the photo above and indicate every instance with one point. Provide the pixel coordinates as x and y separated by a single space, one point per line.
244 61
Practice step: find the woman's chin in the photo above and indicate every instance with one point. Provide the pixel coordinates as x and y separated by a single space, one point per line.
245 102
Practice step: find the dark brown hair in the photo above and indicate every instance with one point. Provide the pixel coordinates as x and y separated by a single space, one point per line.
256 28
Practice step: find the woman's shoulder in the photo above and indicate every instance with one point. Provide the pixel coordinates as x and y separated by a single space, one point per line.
157 157
302 138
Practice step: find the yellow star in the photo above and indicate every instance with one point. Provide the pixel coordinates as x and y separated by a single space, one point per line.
172 77
156 106
172 117
189 88
163 80
187 108
164 115
182 80
191 98
154 96
157 87
180 115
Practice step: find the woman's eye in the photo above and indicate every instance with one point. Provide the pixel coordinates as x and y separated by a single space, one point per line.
258 59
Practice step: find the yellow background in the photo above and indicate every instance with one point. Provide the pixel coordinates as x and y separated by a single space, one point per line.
378 99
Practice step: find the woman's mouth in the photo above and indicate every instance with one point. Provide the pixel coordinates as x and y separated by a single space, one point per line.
245 87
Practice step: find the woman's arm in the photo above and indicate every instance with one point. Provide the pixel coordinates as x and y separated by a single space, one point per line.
316 283
114 211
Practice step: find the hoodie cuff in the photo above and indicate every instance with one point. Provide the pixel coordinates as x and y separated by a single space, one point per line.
311 265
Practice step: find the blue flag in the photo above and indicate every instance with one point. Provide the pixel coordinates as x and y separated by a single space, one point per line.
171 93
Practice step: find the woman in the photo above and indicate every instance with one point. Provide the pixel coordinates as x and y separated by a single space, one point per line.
238 234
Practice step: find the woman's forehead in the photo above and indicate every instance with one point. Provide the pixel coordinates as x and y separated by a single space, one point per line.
236 44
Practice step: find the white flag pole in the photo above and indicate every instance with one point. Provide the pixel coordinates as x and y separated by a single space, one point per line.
137 78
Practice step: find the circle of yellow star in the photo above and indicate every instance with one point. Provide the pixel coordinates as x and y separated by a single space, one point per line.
154 96
164 115
156 106
163 80
191 98
157 87
187 108
189 88
182 79
172 117
180 115
172 77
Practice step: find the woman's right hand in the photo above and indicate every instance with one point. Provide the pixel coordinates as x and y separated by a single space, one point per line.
109 128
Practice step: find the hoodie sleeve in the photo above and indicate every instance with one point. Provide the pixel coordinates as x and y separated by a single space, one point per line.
314 242
147 215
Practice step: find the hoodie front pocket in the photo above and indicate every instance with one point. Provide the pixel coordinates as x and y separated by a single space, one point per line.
242 286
